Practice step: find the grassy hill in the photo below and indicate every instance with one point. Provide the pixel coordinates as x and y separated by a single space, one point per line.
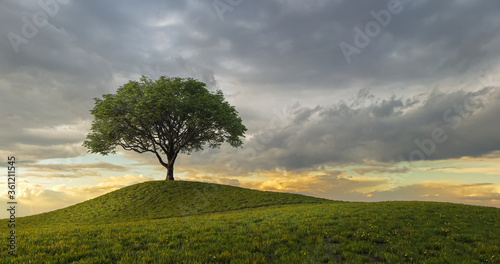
164 199
189 222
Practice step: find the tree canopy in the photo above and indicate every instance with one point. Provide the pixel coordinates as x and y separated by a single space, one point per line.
167 116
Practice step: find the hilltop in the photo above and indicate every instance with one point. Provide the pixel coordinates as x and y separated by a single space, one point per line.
165 199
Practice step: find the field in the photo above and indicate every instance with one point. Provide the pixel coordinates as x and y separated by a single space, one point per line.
189 222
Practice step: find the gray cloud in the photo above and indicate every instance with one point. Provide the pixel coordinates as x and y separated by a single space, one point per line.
438 126
263 55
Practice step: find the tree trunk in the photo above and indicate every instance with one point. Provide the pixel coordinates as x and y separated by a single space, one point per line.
170 172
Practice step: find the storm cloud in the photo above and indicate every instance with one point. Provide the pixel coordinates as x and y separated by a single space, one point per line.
431 127
421 84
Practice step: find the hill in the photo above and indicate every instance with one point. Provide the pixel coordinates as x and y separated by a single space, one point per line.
189 222
164 199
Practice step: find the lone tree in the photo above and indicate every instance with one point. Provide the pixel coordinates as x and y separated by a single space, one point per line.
166 116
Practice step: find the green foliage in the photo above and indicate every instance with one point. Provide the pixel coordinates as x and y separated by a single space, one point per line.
166 116
308 231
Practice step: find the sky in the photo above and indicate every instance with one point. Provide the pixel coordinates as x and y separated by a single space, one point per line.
347 100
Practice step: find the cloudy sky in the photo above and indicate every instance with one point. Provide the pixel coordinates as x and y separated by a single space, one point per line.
348 100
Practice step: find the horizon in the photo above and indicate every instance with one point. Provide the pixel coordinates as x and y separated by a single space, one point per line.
250 189
391 100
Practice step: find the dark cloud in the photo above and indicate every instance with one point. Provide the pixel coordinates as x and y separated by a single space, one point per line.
439 126
263 55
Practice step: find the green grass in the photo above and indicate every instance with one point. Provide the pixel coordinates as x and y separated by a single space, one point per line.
144 223
162 199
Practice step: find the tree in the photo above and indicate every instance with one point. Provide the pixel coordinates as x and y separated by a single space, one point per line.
166 116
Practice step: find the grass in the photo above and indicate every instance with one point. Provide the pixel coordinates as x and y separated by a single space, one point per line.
187 222
162 199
